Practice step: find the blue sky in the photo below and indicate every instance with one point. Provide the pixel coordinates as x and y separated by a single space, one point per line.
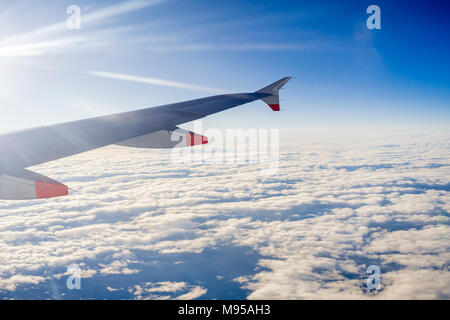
346 77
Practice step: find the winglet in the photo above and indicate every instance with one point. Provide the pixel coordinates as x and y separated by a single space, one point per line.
274 99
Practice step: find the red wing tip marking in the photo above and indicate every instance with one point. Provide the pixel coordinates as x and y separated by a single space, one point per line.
48 190
193 139
275 107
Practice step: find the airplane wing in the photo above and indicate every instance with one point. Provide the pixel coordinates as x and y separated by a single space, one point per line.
146 128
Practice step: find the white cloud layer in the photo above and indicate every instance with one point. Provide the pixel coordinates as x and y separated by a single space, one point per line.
142 227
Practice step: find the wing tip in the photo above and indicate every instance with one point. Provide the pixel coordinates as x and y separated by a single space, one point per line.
274 87
50 190
273 100
275 107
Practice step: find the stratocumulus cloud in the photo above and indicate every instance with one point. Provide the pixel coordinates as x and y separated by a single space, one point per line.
140 226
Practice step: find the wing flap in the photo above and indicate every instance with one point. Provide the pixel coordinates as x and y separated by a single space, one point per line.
164 139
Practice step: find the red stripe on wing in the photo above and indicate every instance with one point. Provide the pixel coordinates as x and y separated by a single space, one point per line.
48 190
275 107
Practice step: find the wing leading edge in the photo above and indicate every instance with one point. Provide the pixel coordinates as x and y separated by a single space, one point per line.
22 149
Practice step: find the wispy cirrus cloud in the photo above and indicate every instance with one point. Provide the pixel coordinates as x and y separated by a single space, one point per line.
38 48
242 46
54 37
119 9
154 81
